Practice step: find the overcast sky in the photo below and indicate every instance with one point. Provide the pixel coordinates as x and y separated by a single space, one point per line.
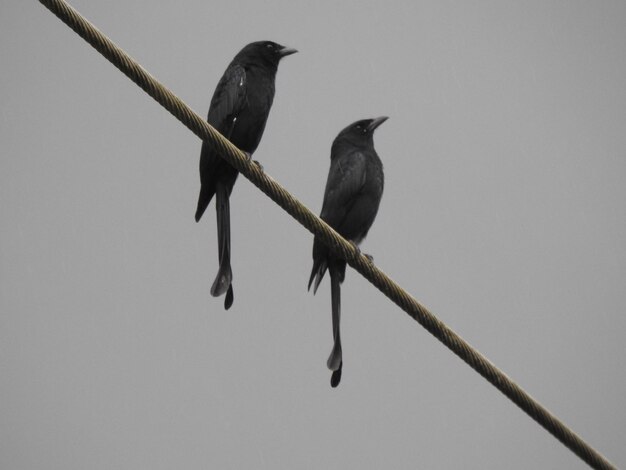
504 212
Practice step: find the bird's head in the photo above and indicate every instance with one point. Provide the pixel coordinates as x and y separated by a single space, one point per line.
361 132
266 53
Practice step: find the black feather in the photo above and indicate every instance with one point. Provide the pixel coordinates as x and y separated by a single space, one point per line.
239 110
353 192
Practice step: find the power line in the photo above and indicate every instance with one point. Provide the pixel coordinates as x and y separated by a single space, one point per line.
319 228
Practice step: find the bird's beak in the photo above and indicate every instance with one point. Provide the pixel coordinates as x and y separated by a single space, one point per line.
285 51
376 122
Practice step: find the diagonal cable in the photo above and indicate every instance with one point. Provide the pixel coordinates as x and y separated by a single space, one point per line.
319 228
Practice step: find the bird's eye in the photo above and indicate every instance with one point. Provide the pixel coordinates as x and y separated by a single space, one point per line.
358 126
269 46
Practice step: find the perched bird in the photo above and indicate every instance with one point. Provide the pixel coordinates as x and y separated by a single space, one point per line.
239 109
351 199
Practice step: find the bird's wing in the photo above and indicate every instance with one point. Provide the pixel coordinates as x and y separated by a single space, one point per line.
228 100
346 178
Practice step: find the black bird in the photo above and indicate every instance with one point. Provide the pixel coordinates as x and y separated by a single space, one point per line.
351 199
239 109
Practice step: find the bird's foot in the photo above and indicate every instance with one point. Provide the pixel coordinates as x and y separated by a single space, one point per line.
256 162
355 246
370 258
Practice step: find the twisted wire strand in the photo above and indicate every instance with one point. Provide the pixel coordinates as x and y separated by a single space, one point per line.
319 228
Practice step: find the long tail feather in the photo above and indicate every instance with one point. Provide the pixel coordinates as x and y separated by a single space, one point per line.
335 360
224 278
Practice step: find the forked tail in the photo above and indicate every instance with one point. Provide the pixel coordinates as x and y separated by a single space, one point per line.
223 280
335 361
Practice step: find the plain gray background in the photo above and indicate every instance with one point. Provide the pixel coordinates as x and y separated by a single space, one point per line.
504 212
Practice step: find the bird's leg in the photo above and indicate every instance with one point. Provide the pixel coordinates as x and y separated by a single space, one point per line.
256 162
370 258
355 246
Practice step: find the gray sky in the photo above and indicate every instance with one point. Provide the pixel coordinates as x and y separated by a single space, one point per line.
503 211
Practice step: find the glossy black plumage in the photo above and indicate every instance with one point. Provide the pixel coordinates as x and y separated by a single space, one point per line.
353 192
239 110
